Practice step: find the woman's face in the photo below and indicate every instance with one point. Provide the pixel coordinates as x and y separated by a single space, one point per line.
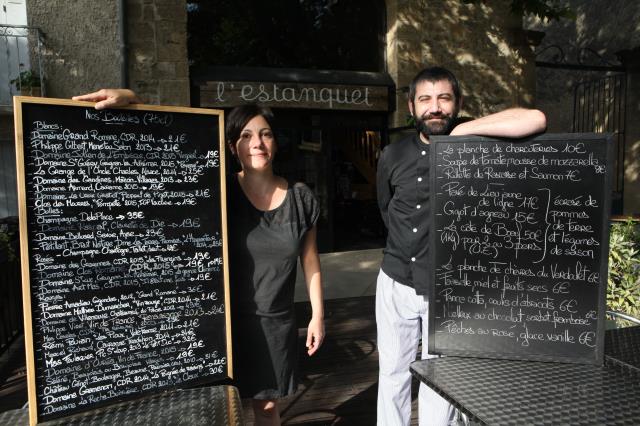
256 147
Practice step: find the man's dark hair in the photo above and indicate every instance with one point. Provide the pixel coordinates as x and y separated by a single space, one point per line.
240 116
434 74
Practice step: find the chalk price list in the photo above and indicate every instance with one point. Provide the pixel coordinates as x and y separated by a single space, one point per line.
123 257
519 227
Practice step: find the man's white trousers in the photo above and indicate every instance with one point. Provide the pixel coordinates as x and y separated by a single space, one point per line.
401 318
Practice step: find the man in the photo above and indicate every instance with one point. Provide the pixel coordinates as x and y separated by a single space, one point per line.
402 308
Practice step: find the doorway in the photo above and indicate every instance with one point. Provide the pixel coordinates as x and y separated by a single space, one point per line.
335 154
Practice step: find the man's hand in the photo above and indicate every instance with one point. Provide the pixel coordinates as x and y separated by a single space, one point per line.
109 98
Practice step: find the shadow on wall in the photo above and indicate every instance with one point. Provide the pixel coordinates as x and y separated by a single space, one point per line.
599 31
632 179
602 26
555 95
482 44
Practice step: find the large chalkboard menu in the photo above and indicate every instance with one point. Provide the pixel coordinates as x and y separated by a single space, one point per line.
122 216
520 246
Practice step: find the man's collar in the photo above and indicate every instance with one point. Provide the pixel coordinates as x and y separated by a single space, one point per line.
418 141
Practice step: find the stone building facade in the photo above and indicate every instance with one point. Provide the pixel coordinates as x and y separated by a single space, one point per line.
157 39
483 44
81 44
603 41
142 44
83 47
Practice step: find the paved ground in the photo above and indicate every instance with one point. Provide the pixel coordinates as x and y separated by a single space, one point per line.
345 274
13 377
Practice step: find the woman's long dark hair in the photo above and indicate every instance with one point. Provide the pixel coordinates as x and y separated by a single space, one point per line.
240 116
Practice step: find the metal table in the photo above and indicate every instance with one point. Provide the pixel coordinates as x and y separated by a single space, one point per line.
213 405
622 346
508 392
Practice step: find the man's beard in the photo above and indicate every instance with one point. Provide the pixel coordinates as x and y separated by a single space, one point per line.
443 126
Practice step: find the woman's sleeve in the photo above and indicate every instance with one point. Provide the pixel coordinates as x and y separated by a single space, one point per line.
309 205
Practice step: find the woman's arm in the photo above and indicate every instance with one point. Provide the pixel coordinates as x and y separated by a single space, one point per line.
311 267
108 98
510 123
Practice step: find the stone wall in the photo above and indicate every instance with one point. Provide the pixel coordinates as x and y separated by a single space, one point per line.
81 50
82 47
631 59
601 30
158 63
8 195
602 25
81 53
484 45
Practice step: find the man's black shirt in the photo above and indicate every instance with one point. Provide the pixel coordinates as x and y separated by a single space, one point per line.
404 201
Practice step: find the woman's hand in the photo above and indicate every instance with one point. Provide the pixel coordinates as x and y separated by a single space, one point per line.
315 335
109 98
310 262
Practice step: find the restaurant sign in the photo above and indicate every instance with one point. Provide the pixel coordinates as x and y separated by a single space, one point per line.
295 95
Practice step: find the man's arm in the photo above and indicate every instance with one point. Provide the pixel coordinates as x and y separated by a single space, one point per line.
383 188
510 123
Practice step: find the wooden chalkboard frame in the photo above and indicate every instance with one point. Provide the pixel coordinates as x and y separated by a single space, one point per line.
597 354
21 102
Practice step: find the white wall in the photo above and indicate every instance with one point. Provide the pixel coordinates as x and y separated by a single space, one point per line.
13 48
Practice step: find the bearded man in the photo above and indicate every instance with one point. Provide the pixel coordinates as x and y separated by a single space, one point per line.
402 307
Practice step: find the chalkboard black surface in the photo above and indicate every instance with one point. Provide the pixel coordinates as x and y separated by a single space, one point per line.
520 246
123 240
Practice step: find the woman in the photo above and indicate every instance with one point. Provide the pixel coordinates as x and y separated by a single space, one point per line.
271 223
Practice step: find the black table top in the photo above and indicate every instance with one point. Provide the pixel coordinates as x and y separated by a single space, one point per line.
622 345
213 405
509 392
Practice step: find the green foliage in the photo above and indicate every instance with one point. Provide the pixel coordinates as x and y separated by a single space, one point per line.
26 79
543 9
410 120
623 290
6 249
